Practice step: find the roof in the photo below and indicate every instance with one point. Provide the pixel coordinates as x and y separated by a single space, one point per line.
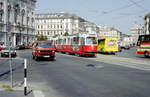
62 15
147 16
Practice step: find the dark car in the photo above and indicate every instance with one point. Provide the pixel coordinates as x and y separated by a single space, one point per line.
5 52
20 47
43 49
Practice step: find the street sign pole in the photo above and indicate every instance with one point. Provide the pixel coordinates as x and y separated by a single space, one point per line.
10 62
10 59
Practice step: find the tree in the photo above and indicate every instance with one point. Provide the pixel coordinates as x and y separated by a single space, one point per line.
55 35
41 37
66 34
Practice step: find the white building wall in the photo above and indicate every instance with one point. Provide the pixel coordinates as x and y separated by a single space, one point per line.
18 28
58 25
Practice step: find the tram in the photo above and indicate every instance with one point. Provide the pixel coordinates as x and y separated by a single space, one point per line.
143 45
108 45
78 44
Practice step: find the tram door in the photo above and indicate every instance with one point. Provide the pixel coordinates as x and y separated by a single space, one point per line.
82 43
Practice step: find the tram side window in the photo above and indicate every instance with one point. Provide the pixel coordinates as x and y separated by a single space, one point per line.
64 42
144 38
60 42
69 41
56 41
82 41
91 40
76 40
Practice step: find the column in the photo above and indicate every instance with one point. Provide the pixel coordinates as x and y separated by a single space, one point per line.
147 25
5 38
14 40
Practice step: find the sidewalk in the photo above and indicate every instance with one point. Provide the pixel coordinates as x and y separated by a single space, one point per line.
15 93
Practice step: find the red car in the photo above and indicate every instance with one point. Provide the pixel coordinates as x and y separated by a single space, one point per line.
43 49
28 47
1 48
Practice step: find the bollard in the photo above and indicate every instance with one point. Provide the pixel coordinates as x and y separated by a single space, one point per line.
25 77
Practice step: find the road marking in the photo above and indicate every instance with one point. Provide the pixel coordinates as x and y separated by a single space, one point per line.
38 93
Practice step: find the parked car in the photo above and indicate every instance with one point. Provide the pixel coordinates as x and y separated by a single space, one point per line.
28 47
1 48
43 49
19 47
5 52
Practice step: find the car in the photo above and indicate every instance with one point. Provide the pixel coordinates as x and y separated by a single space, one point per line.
20 47
28 47
43 49
5 52
1 48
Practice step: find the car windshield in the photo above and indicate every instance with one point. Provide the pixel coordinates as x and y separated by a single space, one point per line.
91 40
45 45
7 48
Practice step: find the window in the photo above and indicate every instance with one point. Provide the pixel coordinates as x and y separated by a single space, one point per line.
45 45
91 40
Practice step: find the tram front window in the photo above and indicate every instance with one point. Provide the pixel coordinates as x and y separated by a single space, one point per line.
91 40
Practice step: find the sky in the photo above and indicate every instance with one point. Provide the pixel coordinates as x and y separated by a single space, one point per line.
121 14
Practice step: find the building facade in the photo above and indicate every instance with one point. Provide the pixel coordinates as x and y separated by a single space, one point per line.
108 32
57 24
126 40
137 30
147 23
91 27
17 20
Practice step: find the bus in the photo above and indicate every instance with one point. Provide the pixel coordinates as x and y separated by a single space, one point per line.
78 44
108 45
143 45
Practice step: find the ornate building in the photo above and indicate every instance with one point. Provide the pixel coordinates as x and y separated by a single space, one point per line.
147 23
17 19
57 24
137 30
108 32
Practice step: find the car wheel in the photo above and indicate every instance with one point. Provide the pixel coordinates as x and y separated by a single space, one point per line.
146 54
36 58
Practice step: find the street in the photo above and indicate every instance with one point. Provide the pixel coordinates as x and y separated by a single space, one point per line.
72 76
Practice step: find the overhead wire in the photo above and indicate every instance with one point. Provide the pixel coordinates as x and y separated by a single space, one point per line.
138 5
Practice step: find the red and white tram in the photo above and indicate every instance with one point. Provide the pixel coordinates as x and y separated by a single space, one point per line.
79 44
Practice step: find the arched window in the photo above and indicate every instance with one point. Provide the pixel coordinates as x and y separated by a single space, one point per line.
22 14
16 12
1 11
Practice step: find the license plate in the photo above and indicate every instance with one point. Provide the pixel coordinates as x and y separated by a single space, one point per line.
46 56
